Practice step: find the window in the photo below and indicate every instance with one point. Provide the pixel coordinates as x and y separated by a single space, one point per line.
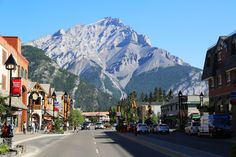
219 56
4 57
18 69
211 83
4 82
233 47
219 80
228 77
22 72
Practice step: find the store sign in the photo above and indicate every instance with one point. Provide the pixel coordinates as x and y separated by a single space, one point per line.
16 87
233 98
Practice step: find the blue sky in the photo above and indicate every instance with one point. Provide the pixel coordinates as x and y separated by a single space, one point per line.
185 28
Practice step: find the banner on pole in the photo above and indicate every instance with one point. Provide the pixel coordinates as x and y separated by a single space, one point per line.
16 86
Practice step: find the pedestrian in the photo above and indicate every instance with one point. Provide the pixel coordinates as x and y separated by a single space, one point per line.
24 127
75 128
33 127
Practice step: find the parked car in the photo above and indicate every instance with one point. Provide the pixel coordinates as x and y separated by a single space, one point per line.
86 126
162 128
99 125
192 128
142 128
131 127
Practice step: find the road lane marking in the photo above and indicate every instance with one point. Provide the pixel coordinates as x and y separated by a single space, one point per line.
97 151
94 142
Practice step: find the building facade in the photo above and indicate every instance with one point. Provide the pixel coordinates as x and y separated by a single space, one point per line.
176 112
11 45
220 72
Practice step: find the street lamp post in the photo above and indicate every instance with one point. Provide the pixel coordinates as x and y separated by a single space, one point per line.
180 108
10 65
53 98
201 99
65 109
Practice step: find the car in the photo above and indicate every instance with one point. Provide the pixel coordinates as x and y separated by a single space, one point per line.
142 128
162 128
99 125
192 128
86 126
131 127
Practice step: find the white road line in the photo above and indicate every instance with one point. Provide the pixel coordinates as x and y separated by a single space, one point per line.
97 151
94 142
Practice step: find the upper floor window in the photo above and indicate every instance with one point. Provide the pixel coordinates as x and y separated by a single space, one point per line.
233 48
219 79
4 57
219 56
4 82
18 70
211 83
228 77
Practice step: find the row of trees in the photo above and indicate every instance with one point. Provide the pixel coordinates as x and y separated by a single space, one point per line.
130 112
158 94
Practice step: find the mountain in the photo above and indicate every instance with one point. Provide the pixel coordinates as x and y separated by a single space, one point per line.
44 70
117 59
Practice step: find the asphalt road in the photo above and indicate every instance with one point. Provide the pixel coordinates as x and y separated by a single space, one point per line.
99 143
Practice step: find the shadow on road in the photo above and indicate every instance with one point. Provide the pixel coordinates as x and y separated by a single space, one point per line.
135 149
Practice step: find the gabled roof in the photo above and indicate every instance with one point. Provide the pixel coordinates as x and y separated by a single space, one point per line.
46 87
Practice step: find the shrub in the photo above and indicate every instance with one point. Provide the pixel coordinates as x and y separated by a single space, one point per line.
4 148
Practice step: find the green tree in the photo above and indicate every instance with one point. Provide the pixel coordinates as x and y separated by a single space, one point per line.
76 118
3 107
150 97
142 97
154 118
159 95
155 94
169 95
146 98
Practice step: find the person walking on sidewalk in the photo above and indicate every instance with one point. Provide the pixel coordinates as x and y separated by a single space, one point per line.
24 127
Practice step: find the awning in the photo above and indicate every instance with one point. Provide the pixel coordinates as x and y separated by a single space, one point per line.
16 102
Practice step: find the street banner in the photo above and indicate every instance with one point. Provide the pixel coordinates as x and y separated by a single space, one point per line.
16 87
56 103
233 98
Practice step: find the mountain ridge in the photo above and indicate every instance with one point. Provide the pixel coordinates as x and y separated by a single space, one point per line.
111 51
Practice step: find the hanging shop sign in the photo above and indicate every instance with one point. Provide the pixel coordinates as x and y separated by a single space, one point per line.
16 87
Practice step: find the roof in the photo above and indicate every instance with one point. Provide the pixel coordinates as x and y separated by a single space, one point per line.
46 87
91 114
16 102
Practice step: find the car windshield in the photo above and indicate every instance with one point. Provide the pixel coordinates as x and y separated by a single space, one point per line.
98 123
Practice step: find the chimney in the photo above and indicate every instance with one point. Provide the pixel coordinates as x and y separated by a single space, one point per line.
14 41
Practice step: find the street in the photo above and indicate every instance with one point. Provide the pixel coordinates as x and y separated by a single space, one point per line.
106 143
